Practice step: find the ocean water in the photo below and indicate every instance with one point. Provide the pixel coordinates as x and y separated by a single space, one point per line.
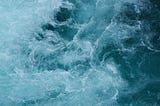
79 53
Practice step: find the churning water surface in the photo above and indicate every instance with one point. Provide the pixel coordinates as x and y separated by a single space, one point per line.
79 53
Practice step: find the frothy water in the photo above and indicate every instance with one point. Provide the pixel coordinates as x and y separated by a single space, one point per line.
79 53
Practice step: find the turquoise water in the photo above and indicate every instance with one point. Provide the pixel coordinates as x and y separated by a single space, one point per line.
79 53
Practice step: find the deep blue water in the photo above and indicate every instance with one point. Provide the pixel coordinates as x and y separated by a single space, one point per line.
79 53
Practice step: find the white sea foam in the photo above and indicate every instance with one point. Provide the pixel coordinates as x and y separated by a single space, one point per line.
55 71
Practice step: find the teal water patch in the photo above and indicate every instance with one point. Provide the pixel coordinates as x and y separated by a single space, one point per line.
79 53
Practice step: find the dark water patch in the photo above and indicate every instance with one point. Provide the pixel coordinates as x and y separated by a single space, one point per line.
147 96
48 27
151 65
63 14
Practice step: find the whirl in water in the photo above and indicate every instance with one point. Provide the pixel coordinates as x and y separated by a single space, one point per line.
79 53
